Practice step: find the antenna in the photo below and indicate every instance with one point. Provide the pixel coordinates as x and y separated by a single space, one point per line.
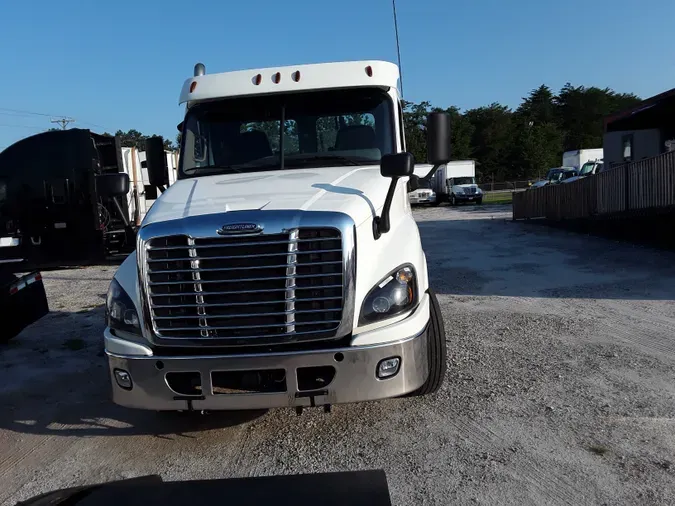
398 46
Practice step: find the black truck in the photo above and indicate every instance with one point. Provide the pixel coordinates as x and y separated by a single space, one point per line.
64 201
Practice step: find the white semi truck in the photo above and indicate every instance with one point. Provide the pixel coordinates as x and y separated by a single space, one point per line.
284 266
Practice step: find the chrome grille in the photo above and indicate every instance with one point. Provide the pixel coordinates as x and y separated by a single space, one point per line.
264 289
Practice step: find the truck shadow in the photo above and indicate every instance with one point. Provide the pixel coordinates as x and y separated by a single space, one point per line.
54 380
61 415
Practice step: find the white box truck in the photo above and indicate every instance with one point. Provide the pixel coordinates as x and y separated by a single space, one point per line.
579 157
284 267
423 194
455 182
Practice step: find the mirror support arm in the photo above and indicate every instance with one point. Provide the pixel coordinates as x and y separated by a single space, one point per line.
119 210
382 224
431 172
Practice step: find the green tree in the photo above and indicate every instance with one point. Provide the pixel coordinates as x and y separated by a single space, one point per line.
414 122
492 141
461 132
581 112
537 147
135 139
539 106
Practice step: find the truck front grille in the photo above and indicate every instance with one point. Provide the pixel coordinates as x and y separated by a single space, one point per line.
266 289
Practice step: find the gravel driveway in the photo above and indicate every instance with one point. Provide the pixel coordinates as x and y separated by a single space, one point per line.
560 386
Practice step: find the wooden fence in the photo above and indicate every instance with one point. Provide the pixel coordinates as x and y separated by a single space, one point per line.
647 184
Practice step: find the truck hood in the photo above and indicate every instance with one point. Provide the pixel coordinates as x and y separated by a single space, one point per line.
356 191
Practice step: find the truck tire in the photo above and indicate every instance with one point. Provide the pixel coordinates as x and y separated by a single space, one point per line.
437 350
453 200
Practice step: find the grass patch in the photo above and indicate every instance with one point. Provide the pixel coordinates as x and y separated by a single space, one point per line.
499 198
74 344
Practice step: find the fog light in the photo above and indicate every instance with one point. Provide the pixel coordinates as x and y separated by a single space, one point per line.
123 379
388 367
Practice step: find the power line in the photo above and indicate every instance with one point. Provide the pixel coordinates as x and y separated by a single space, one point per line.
21 112
398 46
35 127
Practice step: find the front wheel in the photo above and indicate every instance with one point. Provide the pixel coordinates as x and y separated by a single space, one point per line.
437 350
453 200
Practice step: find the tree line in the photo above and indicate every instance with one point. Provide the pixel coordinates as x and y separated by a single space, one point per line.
521 144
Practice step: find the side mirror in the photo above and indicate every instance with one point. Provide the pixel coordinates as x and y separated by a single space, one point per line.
438 138
155 160
398 165
393 166
112 185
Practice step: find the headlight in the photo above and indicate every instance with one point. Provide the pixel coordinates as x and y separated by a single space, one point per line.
393 295
120 311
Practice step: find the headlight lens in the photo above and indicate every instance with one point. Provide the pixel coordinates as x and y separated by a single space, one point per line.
120 311
393 295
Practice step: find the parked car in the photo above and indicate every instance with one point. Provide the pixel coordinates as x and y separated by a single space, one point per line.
588 169
555 176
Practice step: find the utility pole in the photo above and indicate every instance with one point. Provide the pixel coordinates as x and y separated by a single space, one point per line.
64 122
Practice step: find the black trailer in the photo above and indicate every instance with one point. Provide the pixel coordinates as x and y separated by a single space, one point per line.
63 200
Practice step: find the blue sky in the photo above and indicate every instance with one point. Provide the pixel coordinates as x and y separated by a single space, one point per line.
120 65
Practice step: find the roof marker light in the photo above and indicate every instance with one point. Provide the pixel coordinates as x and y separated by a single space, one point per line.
296 76
369 71
276 78
257 79
193 85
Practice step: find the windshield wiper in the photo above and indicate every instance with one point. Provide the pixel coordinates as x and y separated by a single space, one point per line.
193 170
238 167
328 157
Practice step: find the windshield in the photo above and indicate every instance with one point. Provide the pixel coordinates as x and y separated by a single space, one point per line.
587 168
554 174
465 180
327 128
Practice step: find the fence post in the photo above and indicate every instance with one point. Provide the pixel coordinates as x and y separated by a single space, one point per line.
627 184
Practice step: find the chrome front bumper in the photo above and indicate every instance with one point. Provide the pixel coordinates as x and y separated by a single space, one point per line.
355 377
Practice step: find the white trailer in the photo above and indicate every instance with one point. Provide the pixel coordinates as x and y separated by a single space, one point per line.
455 182
142 194
579 157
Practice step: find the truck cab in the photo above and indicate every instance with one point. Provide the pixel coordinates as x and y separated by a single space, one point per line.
284 267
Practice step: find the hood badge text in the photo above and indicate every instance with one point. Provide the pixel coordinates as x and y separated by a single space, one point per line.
240 229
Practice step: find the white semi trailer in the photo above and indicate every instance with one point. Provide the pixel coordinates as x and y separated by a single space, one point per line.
284 267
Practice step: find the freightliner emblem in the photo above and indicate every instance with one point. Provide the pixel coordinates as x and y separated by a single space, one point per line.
241 228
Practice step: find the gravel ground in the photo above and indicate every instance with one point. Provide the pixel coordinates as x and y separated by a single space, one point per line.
560 386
